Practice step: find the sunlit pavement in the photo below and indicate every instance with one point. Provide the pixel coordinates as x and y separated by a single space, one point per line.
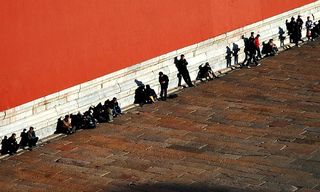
254 129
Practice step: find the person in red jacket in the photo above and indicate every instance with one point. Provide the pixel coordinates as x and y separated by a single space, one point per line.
257 45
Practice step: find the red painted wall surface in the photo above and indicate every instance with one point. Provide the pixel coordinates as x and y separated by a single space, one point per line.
50 45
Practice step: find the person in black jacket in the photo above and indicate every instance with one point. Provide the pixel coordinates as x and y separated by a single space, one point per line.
151 94
183 70
252 51
24 139
32 139
4 146
12 144
164 82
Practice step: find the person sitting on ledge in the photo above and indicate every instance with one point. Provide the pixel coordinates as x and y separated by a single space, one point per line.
100 113
108 106
32 139
4 146
67 125
140 96
151 94
24 139
89 122
270 49
205 72
116 110
12 144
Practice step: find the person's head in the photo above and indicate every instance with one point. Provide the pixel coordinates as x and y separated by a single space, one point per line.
299 16
270 40
292 18
66 117
13 135
31 128
114 99
5 137
160 73
252 34
207 64
24 130
148 87
308 18
182 56
258 35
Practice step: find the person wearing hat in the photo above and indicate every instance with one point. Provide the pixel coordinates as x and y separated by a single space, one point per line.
164 82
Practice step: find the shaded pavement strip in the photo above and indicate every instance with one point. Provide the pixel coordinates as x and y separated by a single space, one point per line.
254 129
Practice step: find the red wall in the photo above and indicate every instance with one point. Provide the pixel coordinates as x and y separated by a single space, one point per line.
50 45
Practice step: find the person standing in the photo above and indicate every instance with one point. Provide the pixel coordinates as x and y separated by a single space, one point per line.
246 50
290 29
176 62
309 25
257 45
164 82
252 51
299 27
183 70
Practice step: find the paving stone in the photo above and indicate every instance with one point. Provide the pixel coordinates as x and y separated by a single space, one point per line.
250 130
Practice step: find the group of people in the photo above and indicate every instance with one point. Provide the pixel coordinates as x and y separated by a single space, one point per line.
10 145
253 52
295 26
101 113
145 94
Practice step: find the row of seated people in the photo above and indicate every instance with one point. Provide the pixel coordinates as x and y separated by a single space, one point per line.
27 138
89 119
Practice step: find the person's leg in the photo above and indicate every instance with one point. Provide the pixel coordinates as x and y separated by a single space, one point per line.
259 53
109 115
246 57
161 92
118 109
165 92
187 79
249 60
179 79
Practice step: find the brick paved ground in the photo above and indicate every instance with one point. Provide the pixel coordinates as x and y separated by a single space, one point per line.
254 129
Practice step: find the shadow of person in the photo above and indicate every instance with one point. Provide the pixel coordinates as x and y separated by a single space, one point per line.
228 56
235 50
282 37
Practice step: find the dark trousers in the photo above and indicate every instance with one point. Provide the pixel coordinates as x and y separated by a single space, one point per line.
246 56
32 142
258 53
163 92
235 59
186 78
252 57
13 149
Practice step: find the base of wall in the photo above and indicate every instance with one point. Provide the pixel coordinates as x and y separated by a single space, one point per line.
44 112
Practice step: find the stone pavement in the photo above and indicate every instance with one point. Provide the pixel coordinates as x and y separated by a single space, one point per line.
254 129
